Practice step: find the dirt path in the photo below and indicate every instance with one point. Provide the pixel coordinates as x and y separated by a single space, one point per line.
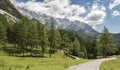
91 65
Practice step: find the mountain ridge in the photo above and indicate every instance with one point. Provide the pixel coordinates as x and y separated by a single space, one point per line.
7 6
79 28
59 23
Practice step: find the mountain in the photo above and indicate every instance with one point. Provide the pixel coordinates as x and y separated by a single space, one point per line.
80 28
9 8
59 23
116 37
8 16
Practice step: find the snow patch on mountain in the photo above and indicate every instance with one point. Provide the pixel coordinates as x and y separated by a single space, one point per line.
59 23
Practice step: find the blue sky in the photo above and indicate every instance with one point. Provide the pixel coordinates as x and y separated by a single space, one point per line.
111 22
97 13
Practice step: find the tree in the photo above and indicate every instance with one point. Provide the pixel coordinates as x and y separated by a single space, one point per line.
3 29
83 50
39 35
22 34
32 37
54 39
106 41
76 47
65 44
3 33
44 40
94 49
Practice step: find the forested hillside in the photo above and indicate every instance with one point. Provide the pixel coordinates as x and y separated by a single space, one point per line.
31 36
44 42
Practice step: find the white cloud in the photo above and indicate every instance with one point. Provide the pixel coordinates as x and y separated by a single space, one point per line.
96 15
64 9
98 7
116 13
55 8
103 8
114 4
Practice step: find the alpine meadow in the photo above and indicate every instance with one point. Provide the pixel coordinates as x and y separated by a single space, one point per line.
59 35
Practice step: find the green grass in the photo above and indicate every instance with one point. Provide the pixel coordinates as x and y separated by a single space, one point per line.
111 65
32 63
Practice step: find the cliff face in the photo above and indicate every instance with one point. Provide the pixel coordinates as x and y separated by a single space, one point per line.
8 7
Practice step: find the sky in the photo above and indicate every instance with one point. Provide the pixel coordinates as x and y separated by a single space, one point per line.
96 13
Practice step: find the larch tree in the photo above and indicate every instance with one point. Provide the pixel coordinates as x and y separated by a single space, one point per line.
76 47
54 39
107 43
44 40
94 49
23 34
3 33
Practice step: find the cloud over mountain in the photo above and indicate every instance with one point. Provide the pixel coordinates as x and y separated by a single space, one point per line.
64 9
55 8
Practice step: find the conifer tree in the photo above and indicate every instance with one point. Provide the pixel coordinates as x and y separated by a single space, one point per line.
94 49
23 34
76 47
39 35
3 33
66 44
44 40
54 39
106 41
32 36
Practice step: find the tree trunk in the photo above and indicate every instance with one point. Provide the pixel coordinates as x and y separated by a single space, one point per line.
23 53
50 52
43 54
31 54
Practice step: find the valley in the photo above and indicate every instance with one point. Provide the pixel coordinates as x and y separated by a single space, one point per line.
58 35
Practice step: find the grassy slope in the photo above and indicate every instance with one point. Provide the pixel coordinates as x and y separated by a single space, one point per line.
111 65
54 63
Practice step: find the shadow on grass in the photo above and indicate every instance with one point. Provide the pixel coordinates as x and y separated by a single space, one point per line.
34 56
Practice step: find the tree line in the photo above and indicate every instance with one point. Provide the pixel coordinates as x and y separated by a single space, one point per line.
31 37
